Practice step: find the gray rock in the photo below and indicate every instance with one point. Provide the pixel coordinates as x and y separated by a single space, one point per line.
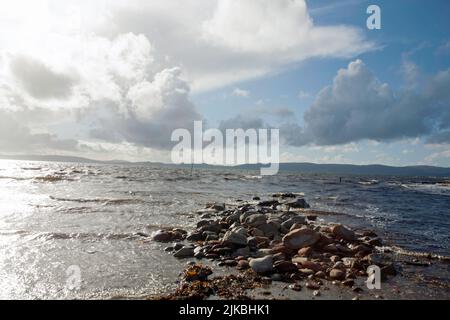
235 238
262 265
291 221
255 220
184 252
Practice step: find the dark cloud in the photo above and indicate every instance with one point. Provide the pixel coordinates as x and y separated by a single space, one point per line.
40 81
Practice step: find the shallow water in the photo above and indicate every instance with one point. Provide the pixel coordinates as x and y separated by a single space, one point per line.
57 215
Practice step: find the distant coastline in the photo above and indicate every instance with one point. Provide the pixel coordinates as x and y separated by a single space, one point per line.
305 167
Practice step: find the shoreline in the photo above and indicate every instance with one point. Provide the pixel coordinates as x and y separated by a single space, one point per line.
279 249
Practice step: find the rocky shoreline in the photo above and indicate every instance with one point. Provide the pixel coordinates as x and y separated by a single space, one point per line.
276 240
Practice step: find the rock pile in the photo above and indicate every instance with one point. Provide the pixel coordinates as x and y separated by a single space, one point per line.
279 239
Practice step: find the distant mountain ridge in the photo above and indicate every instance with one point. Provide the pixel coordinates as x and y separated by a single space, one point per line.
373 169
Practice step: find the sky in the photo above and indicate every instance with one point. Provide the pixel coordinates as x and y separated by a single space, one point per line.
112 79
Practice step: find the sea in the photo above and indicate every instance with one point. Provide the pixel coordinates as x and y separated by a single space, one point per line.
76 230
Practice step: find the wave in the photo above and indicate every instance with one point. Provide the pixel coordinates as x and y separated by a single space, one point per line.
89 236
103 201
429 188
417 254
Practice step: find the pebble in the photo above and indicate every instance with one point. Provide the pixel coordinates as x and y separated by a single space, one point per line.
337 274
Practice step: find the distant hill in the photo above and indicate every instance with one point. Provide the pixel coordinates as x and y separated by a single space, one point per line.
343 169
373 169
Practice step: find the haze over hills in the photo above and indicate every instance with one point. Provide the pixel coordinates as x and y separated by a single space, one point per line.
373 169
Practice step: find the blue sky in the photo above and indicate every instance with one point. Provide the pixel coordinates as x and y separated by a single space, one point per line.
412 31
114 79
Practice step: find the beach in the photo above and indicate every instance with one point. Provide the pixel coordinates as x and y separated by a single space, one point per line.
100 219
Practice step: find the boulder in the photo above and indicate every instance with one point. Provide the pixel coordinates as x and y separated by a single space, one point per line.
262 265
291 221
300 238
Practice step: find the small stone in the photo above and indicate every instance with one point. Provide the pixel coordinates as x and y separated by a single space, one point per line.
312 285
262 265
343 232
256 198
168 249
348 282
242 264
295 287
162 236
177 246
285 267
320 274
337 274
305 271
316 293
305 252
276 277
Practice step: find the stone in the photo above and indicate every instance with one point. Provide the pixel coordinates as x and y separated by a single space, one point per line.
235 238
202 223
242 252
285 267
162 236
320 274
216 206
185 252
306 271
337 274
295 287
299 260
343 232
268 229
348 282
177 246
305 252
256 198
291 221
195 236
388 270
312 285
242 265
297 203
300 238
262 265
311 265
268 203
276 277
255 220
316 293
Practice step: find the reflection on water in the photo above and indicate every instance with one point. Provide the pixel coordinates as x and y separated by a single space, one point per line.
54 215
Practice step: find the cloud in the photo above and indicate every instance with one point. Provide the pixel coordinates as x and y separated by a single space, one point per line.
17 138
225 42
240 93
155 109
357 106
39 80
